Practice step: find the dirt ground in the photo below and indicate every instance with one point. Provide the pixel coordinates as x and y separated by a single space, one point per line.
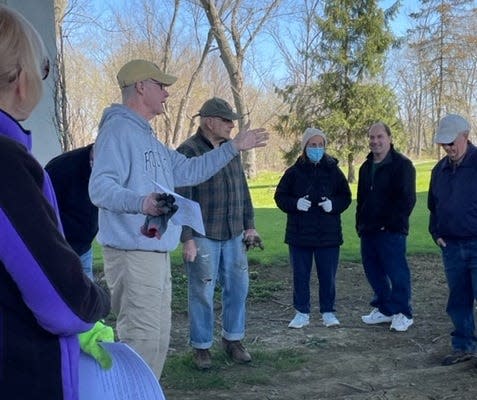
352 361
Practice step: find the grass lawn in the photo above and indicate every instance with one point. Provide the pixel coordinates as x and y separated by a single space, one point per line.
270 223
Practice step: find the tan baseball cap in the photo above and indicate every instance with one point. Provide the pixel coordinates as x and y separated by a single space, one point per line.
140 70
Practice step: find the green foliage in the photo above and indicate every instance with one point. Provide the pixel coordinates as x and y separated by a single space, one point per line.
342 100
290 156
368 103
355 38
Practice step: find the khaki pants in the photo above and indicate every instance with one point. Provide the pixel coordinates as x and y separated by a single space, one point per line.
140 285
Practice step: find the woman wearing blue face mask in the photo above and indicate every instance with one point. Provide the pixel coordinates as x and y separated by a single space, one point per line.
313 192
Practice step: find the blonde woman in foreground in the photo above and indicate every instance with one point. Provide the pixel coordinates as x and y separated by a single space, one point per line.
45 299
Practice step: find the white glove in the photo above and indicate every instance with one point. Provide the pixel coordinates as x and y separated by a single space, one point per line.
303 204
326 204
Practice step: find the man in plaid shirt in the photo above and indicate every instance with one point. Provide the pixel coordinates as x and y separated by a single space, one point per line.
220 255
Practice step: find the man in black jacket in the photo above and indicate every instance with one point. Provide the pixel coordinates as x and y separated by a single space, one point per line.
69 173
386 197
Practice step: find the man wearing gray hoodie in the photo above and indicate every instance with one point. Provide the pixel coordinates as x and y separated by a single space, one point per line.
129 162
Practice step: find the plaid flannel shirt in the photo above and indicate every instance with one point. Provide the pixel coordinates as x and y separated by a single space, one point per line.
224 199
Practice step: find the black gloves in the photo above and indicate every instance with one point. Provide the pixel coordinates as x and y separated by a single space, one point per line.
253 241
155 226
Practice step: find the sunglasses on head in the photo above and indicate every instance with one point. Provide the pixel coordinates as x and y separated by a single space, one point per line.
45 68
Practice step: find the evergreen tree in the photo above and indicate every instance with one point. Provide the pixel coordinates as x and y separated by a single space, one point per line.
343 100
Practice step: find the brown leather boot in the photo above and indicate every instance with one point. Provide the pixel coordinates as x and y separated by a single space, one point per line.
202 358
236 351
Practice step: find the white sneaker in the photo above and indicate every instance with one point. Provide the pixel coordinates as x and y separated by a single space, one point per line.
329 319
400 322
299 321
376 317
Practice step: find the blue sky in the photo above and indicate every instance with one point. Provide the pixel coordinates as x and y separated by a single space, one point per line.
401 23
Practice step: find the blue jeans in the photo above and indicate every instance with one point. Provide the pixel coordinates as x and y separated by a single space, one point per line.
460 265
87 263
326 260
225 262
384 260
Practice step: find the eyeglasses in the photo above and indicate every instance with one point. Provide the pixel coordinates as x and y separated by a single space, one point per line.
224 119
45 68
448 144
157 83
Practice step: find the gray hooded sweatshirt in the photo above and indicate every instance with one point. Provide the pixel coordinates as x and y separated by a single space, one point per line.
128 159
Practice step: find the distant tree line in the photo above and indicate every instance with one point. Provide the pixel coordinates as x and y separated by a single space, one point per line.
283 64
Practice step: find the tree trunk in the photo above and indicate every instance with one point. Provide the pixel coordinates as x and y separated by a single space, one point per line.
233 62
351 173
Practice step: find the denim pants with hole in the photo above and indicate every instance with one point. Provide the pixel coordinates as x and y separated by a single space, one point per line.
326 260
384 261
460 266
223 262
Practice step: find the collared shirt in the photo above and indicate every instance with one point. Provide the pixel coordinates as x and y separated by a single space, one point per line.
224 199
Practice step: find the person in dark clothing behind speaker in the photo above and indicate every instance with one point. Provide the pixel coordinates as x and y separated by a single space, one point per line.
69 173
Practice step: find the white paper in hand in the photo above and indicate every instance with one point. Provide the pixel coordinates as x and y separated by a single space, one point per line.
130 378
188 212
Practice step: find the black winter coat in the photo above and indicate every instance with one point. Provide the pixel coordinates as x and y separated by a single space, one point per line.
385 202
315 227
69 173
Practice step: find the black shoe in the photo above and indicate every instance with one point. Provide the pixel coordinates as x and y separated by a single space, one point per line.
457 357
236 351
202 358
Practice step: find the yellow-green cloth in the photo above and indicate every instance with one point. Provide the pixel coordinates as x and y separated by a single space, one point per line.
89 343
